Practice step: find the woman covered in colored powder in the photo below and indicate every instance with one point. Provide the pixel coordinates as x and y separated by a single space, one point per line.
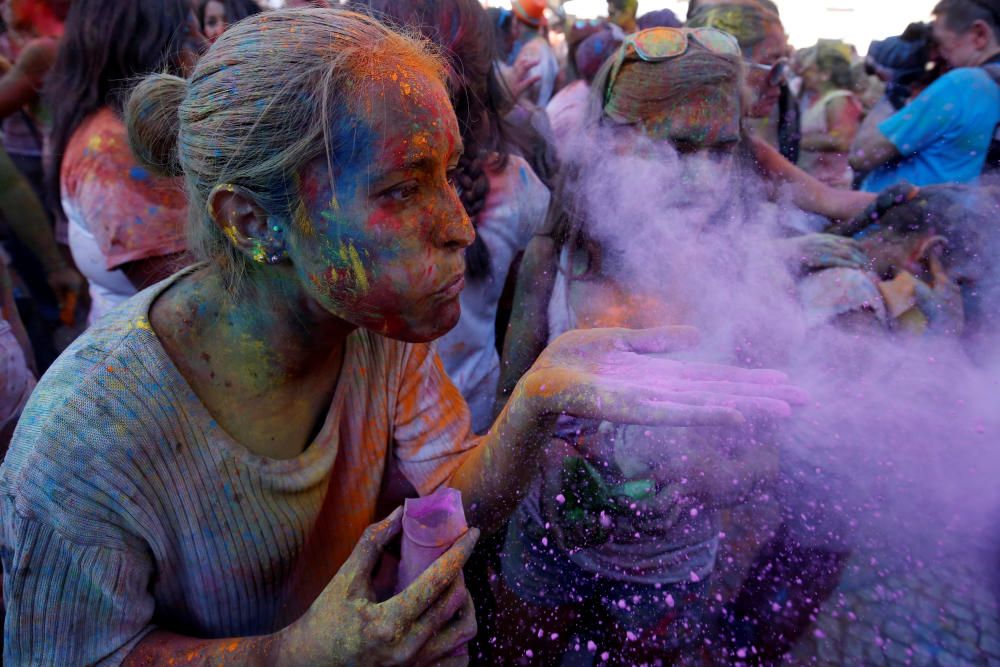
833 115
606 533
126 225
197 478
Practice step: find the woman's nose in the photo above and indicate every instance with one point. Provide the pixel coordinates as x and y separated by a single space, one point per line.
453 229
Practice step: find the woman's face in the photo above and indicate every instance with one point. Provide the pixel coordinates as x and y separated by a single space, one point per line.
215 20
763 93
813 79
381 243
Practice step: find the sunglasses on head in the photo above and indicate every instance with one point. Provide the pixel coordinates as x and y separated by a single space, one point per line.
777 73
659 44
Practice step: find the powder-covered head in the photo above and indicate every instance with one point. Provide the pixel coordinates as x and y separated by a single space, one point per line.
594 51
337 136
661 18
693 99
762 38
828 61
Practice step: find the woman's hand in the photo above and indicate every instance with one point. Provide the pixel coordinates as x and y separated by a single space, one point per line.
612 374
813 252
422 625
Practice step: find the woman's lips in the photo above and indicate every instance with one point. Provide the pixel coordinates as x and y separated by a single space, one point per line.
452 289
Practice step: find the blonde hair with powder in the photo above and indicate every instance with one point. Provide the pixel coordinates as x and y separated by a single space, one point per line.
259 106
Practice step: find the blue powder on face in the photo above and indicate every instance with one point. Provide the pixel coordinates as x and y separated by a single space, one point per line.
138 174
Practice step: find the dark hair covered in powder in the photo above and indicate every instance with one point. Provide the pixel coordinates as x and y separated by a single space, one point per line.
107 43
650 87
748 23
461 29
266 100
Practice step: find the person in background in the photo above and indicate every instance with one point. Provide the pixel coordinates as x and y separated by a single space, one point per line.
531 46
17 373
21 208
568 108
627 585
30 44
944 134
126 225
48 283
215 16
773 111
833 115
661 18
623 14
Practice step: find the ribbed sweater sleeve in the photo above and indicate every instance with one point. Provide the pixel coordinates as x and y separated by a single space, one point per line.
432 431
70 604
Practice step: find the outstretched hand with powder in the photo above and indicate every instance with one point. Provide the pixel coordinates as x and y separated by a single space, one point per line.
421 625
618 375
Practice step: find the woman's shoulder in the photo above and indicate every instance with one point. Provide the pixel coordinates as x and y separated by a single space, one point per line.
102 408
100 133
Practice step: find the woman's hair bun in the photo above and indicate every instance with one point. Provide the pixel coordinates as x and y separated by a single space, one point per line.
152 116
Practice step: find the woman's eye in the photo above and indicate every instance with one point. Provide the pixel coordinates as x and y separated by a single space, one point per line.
402 192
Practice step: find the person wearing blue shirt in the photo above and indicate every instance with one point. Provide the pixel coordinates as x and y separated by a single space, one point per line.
942 136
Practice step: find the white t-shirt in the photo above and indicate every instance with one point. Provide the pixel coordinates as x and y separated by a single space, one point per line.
108 288
515 208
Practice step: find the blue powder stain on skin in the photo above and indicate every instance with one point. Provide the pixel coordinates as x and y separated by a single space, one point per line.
138 174
524 176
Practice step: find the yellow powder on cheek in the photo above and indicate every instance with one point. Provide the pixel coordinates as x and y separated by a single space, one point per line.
349 255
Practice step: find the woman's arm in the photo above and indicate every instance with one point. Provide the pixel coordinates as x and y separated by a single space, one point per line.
617 375
808 193
24 213
527 332
159 647
871 148
20 85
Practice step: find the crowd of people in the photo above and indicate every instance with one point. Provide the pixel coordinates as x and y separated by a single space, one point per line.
269 273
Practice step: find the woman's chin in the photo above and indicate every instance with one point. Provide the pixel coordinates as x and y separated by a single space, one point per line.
429 327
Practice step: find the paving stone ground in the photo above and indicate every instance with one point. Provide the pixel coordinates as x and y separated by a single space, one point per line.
893 607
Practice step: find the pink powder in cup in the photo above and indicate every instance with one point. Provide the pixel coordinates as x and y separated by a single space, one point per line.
431 525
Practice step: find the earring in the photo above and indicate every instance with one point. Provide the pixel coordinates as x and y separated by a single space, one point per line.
275 245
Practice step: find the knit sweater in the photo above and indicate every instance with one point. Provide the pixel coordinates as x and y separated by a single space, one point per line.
125 506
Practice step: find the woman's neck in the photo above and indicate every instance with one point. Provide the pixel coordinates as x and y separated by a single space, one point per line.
264 362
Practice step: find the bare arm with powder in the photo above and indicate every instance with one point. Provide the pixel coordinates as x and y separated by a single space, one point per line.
20 85
617 375
871 148
808 193
527 332
26 216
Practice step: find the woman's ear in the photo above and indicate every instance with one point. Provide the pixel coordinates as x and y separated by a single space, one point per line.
238 214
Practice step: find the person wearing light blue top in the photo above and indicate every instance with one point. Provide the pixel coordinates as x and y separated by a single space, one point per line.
944 135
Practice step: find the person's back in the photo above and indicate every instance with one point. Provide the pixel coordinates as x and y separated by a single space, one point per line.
943 135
